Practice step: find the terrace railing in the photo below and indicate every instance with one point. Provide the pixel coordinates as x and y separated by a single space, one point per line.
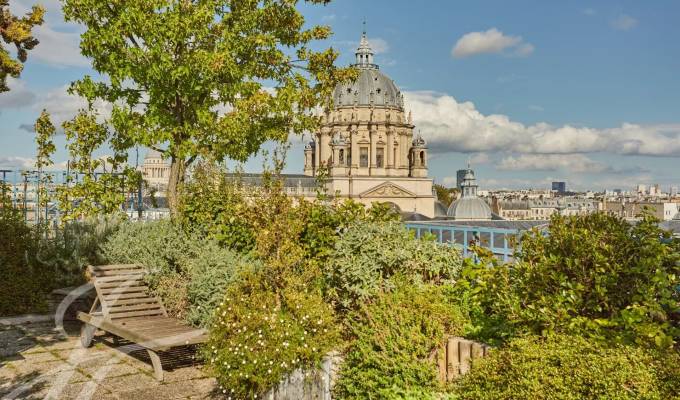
500 241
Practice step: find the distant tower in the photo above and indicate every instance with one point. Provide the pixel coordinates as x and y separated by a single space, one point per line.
418 158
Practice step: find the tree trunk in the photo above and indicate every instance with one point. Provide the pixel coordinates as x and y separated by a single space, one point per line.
177 170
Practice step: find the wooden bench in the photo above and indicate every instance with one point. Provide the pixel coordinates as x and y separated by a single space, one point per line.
125 308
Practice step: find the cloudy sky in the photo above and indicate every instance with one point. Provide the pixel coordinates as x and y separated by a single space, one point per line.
529 91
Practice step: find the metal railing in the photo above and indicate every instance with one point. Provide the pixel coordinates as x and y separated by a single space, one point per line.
500 241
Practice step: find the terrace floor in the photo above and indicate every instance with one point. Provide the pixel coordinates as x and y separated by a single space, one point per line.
37 361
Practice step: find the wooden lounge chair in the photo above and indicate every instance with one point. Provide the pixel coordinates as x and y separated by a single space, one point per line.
125 308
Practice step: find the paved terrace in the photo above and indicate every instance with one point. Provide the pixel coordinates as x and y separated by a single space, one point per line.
37 361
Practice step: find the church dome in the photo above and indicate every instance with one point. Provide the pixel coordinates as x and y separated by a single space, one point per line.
372 87
469 208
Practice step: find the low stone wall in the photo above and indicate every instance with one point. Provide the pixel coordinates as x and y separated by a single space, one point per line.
309 385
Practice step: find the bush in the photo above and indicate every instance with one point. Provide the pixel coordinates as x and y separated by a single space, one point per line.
570 367
393 342
166 250
211 273
259 336
33 261
22 283
595 275
368 255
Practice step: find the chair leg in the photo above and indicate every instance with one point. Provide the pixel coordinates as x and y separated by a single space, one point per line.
156 362
86 335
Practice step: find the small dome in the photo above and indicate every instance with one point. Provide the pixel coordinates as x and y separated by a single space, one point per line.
151 154
469 208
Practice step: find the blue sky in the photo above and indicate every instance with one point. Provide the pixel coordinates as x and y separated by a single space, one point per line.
530 91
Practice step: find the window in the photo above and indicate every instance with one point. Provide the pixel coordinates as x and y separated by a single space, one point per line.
363 157
341 157
379 157
422 158
394 157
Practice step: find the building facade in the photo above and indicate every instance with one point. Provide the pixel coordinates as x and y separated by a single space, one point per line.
155 171
366 143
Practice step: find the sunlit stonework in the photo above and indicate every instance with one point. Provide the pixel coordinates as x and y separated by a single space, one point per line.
367 145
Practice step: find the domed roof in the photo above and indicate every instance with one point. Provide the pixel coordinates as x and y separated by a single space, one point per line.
152 154
372 87
469 208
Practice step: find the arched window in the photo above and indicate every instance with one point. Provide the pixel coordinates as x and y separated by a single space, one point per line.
422 158
341 156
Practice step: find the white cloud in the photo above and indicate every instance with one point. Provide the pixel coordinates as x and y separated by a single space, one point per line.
379 45
16 162
63 106
58 48
59 40
18 96
452 126
576 163
624 22
490 41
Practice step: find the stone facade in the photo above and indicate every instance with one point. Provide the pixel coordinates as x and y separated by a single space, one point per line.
367 146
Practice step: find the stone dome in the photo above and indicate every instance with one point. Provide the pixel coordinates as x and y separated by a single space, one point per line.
372 87
469 208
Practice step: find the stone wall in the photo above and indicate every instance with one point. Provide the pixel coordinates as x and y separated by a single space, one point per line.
309 385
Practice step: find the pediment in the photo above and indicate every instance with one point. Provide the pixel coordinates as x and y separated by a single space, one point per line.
387 189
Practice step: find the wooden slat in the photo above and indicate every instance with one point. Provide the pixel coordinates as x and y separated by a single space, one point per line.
134 307
123 283
136 314
122 302
122 290
111 267
100 274
124 296
118 278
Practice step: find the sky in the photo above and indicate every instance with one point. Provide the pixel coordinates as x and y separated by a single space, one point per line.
528 92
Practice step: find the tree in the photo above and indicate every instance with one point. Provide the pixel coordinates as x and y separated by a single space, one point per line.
212 79
444 194
44 131
16 31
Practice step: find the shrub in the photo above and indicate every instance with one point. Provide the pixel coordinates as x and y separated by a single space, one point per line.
258 336
570 367
22 283
368 255
595 275
213 203
33 262
166 250
393 342
211 273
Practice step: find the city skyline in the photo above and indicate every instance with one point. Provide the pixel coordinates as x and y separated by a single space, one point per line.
581 92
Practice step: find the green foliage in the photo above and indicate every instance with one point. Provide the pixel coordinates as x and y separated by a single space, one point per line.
33 264
17 32
571 367
445 195
593 275
171 68
368 255
214 203
21 283
212 272
393 342
166 250
98 185
44 132
259 336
